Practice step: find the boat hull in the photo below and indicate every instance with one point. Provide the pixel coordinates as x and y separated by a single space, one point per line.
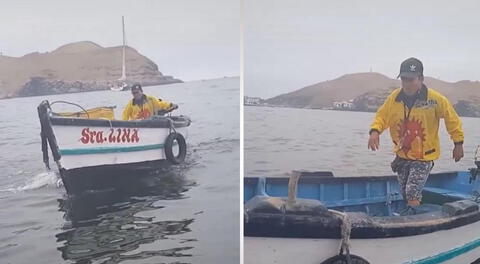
95 153
276 233
120 87
118 177
83 146
445 245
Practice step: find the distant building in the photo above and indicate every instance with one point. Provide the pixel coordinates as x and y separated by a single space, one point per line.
344 105
252 100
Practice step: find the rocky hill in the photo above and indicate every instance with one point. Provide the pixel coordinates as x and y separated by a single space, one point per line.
367 91
75 67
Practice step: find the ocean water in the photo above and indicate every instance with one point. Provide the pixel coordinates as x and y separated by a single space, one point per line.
280 140
184 214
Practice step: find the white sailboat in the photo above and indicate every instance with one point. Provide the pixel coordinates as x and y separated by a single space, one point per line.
121 84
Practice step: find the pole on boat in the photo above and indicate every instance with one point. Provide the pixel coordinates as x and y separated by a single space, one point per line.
46 133
124 74
292 186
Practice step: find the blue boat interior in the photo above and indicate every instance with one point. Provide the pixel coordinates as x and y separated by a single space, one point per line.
375 196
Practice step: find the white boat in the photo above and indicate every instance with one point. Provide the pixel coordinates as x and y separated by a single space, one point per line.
459 245
91 149
336 218
121 84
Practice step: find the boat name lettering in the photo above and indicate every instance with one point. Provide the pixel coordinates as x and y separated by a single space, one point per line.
119 135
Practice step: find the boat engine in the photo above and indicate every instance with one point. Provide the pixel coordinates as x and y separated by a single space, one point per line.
475 171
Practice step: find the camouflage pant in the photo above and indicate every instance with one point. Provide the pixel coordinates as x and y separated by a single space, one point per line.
412 178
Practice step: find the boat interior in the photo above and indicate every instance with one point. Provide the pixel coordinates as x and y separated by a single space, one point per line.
374 205
105 116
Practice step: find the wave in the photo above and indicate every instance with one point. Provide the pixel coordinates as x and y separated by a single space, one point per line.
217 141
41 180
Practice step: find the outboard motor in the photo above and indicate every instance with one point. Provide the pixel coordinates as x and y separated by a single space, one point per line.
475 171
477 156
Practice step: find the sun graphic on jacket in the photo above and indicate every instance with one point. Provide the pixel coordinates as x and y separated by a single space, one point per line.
411 132
143 114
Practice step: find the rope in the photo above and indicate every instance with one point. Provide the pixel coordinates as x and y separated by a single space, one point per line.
346 226
172 127
65 102
346 229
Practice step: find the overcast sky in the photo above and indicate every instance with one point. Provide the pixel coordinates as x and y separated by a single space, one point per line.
190 40
291 44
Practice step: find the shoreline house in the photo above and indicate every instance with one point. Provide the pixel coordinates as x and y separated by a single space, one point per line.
252 100
344 105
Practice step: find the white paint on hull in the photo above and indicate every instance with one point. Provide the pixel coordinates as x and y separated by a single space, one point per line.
69 138
262 250
81 161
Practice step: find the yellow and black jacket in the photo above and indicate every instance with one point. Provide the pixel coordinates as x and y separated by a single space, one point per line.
151 105
414 131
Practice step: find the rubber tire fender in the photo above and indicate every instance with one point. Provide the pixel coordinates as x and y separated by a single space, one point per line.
169 148
342 259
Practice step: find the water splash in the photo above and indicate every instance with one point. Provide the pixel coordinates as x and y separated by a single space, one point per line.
43 179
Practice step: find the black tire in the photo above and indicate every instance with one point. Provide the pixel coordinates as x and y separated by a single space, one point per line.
342 259
169 148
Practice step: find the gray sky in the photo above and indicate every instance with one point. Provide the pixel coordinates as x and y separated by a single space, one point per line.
190 40
291 44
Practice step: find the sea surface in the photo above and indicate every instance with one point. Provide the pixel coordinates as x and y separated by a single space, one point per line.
185 214
280 140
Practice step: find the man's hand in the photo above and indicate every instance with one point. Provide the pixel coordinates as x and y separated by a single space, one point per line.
173 107
374 141
458 152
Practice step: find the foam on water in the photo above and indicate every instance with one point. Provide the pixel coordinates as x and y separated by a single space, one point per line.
43 179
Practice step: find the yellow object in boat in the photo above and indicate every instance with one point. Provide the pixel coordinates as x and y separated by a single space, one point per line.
104 112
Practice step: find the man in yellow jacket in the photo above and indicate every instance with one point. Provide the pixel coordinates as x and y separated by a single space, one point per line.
412 113
143 106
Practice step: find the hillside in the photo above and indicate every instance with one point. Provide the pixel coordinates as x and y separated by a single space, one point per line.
75 67
367 91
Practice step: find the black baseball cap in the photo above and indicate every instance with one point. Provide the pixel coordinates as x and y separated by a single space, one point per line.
411 68
136 86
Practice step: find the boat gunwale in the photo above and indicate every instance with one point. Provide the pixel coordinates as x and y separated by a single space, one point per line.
315 179
363 226
163 122
360 229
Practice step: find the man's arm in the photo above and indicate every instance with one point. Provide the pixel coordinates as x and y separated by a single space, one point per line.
380 123
453 125
127 112
452 121
160 104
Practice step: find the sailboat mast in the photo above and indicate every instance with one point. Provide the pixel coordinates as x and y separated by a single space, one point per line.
124 76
